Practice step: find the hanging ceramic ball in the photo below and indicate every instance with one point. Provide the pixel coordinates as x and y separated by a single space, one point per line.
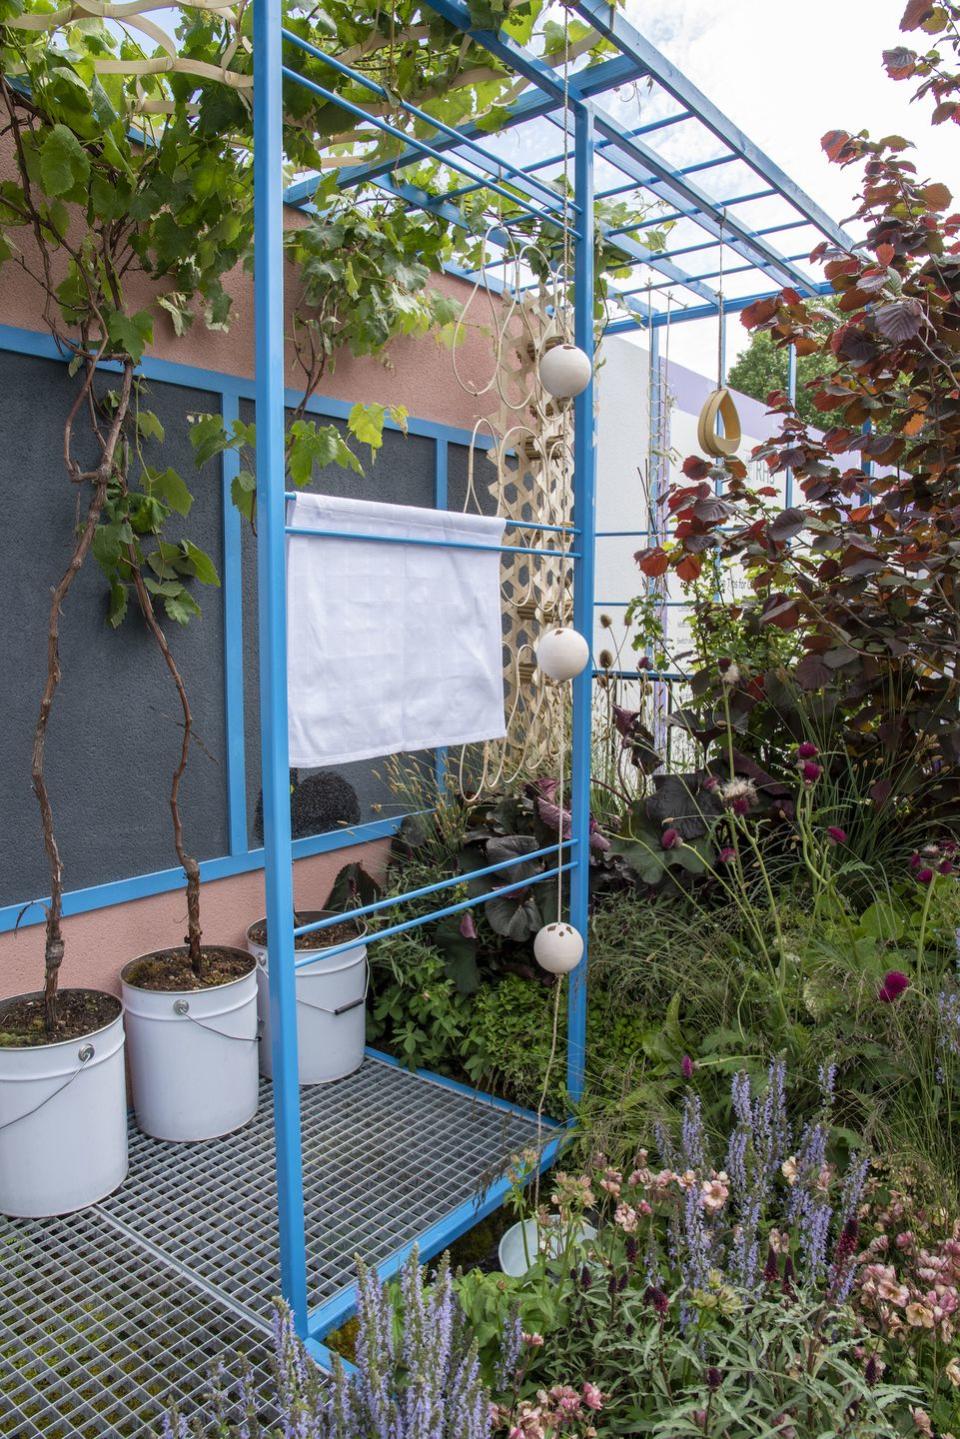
565 371
562 653
558 948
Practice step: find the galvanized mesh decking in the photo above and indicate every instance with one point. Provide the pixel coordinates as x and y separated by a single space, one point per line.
107 1314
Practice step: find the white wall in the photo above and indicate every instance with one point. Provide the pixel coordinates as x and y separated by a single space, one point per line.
623 448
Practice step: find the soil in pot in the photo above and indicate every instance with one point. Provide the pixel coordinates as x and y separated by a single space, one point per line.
169 970
79 1012
319 939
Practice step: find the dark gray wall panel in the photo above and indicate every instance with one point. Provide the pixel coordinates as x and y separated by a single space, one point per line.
115 733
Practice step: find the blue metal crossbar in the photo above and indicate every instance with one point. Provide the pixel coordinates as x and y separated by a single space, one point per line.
303 960
377 905
510 524
432 544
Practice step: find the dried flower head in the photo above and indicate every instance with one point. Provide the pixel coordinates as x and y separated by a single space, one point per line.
740 795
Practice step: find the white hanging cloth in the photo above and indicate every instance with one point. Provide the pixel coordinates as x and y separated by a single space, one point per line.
391 647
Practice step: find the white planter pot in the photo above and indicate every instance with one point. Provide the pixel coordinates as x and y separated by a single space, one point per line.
193 1057
519 1247
63 1123
331 1008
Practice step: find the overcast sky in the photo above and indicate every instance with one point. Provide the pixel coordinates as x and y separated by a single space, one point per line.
786 72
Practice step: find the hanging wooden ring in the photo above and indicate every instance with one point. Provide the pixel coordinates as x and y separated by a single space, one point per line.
719 405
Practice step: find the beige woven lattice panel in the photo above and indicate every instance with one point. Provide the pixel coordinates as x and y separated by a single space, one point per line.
530 465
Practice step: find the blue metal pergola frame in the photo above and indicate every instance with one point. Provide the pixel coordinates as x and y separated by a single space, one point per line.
600 138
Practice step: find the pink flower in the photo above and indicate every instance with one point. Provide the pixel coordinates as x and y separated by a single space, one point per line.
895 982
670 839
643 663
468 929
925 876
945 867
687 1067
726 854
714 1194
533 1341
807 750
592 1397
626 1218
810 771
836 834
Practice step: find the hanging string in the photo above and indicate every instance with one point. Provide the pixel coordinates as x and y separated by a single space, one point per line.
720 336
563 297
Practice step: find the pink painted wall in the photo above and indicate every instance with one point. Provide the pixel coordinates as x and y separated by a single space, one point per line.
99 944
415 373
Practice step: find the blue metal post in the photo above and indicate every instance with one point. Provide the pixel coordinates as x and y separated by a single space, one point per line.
585 520
658 480
440 500
792 396
278 866
233 641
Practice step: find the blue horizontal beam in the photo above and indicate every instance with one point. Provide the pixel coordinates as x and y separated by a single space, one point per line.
667 676
724 205
638 130
379 905
510 524
165 881
430 544
307 958
708 275
679 316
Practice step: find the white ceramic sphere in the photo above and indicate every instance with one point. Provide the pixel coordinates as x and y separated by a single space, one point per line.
562 653
565 371
558 948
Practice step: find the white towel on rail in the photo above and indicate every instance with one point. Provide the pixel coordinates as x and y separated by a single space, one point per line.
391 647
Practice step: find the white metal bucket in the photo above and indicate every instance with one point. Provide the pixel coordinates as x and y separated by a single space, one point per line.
520 1246
193 1057
63 1123
331 1009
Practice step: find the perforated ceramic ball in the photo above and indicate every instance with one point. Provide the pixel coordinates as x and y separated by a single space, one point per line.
565 371
558 948
562 653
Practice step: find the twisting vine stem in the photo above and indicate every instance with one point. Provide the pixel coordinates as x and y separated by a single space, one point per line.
98 479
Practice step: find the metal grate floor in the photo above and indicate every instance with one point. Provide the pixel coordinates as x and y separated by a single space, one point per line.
96 1336
103 1313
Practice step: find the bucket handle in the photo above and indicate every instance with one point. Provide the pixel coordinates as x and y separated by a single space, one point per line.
343 1008
85 1053
181 1009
